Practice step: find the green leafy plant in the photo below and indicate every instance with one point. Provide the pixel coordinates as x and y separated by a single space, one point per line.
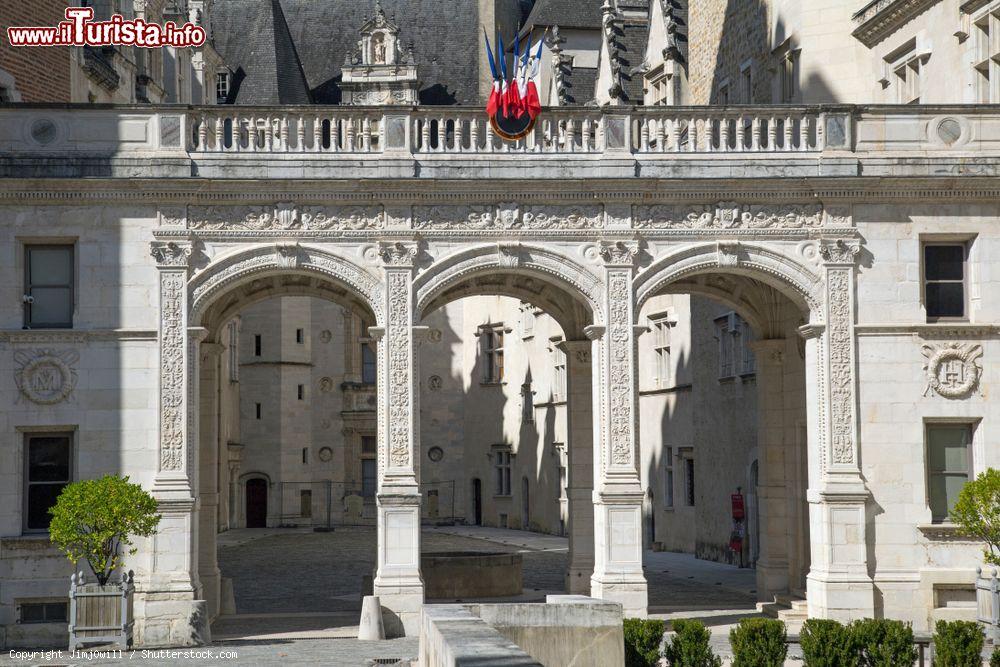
958 644
94 519
995 658
884 643
977 512
828 644
689 645
758 642
642 641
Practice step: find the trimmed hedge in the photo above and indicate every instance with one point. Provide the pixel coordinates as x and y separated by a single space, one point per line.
884 643
758 642
643 638
995 658
958 644
829 644
689 646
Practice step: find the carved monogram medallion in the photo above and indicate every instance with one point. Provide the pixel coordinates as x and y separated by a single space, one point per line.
952 369
46 376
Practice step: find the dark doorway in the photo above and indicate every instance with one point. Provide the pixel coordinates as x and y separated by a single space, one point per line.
477 501
256 503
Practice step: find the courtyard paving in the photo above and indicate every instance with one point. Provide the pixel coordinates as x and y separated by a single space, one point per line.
298 595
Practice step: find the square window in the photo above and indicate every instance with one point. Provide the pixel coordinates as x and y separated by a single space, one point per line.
300 336
257 344
48 463
369 478
944 280
258 410
491 351
42 612
48 286
949 465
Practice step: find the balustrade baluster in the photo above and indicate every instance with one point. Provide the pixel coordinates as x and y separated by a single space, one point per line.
724 134
202 134
474 135
644 134
366 135
755 134
489 137
804 133
586 139
317 134
772 134
787 139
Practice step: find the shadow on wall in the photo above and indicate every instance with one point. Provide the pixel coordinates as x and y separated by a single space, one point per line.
746 36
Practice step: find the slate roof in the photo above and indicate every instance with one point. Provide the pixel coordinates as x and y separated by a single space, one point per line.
291 50
632 39
253 38
579 84
565 14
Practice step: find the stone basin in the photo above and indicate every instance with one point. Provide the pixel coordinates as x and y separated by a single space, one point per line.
462 575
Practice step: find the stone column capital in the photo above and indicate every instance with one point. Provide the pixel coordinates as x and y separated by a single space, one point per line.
577 351
810 331
594 331
398 254
839 252
619 254
171 254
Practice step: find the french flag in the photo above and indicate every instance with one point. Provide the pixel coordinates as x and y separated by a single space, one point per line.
493 105
532 102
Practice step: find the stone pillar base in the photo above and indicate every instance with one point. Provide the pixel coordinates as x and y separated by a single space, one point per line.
170 620
840 598
401 607
772 578
631 595
578 580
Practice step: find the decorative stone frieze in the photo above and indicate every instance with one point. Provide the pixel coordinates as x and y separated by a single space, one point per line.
952 369
45 376
285 217
564 217
508 216
729 215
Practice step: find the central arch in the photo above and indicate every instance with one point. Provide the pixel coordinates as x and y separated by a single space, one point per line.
520 271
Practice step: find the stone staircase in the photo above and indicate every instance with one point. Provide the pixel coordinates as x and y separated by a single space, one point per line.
790 608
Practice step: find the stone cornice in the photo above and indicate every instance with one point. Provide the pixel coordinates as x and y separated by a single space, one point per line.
57 336
647 191
880 18
930 331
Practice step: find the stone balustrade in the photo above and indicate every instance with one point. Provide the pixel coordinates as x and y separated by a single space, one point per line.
459 142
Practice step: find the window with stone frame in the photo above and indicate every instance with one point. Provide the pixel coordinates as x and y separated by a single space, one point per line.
369 366
49 289
558 373
668 477
528 317
491 350
722 94
735 356
527 404
785 87
222 87
660 325
945 280
48 468
369 466
41 611
985 30
689 481
233 329
501 471
949 465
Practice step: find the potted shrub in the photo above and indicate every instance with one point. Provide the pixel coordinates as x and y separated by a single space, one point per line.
883 642
958 644
758 642
977 514
827 643
689 646
643 638
94 521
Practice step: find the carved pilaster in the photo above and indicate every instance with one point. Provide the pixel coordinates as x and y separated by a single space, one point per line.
398 582
618 495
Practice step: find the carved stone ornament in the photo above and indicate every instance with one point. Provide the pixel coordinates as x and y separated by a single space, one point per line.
326 385
325 335
46 376
285 217
839 251
952 369
170 254
434 383
729 215
287 255
509 255
565 217
621 253
397 254
728 253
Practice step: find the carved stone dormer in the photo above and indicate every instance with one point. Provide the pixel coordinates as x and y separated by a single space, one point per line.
381 70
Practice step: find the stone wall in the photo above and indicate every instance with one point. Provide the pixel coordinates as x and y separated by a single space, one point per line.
722 35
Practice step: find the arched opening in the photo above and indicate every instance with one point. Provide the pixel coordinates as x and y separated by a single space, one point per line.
722 409
286 436
497 391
